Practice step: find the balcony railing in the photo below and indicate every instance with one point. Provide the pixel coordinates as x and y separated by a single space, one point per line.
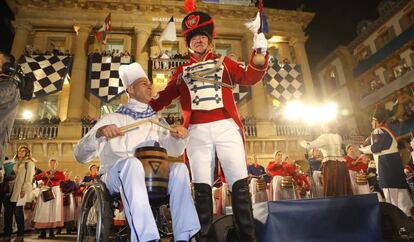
86 128
166 64
250 130
388 89
292 131
32 131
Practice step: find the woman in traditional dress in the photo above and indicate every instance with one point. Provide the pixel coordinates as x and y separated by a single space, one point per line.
280 171
24 169
49 208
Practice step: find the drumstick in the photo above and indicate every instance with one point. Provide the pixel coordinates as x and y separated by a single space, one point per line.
154 121
135 125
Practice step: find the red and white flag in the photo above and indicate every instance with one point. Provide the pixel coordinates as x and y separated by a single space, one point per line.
103 31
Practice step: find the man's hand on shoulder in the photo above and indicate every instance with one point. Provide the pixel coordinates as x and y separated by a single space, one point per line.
109 131
180 132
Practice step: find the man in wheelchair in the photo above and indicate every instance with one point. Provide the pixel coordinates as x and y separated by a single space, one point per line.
123 173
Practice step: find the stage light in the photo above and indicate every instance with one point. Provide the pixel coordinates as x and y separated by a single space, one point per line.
310 114
27 114
293 110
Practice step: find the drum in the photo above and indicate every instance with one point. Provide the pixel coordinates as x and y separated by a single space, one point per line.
156 167
261 185
361 178
47 194
286 182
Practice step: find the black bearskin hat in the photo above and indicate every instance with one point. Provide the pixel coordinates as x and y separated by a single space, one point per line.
197 23
381 115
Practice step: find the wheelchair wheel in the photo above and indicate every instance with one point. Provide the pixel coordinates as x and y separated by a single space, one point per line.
163 220
94 222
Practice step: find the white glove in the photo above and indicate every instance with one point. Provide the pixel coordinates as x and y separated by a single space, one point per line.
412 144
260 42
366 149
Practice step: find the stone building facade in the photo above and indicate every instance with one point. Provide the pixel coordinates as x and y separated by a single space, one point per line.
136 26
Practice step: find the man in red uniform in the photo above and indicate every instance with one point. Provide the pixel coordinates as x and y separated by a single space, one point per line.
204 87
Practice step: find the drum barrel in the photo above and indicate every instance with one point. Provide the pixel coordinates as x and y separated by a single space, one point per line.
156 167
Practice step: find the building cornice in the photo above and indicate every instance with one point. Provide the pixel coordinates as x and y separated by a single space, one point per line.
374 26
168 7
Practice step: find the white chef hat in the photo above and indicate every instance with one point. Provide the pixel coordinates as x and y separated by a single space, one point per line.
130 73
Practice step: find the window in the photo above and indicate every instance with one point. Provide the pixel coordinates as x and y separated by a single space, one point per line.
170 48
115 45
331 77
384 38
47 107
56 43
363 53
223 49
274 52
407 21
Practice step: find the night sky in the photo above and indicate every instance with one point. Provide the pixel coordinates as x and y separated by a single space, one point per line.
334 23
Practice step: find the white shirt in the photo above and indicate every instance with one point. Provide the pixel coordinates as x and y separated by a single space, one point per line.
329 144
110 151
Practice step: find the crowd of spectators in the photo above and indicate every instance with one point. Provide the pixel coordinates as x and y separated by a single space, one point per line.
112 53
88 120
29 51
375 84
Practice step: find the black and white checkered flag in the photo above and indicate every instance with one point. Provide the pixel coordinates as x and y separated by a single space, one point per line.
103 76
47 71
284 82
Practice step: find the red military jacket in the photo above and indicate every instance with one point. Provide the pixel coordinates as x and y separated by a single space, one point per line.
52 182
233 73
357 167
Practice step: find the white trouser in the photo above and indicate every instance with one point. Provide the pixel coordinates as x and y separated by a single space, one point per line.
356 188
279 193
223 138
127 177
400 198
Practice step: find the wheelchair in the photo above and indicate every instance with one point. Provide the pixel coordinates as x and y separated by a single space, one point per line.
95 221
97 212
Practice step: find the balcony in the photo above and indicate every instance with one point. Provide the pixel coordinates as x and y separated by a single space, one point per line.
388 89
387 50
32 131
159 64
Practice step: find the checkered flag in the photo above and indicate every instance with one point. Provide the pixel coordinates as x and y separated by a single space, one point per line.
103 76
284 82
47 71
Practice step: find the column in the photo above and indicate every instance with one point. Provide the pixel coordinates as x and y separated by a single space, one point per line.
302 59
20 38
142 35
284 51
78 78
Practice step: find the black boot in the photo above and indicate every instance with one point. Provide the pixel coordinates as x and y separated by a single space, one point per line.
241 202
204 205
